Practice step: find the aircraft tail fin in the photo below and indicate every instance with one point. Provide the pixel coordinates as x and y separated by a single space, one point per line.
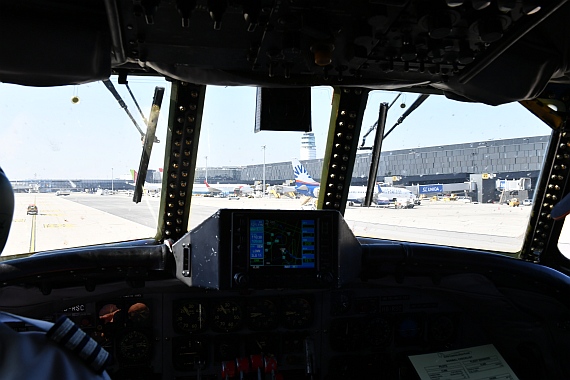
134 175
301 174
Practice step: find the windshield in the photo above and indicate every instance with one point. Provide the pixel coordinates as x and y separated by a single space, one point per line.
451 173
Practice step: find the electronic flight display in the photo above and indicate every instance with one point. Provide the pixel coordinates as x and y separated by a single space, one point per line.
287 244
269 249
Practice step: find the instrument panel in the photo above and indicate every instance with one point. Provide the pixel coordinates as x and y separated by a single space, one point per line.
197 333
365 323
204 322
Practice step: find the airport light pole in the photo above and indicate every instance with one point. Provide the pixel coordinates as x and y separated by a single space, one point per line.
263 189
112 183
206 168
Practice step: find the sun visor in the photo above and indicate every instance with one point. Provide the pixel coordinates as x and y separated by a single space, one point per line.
45 47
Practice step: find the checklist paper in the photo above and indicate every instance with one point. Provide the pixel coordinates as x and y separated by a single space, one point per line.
474 363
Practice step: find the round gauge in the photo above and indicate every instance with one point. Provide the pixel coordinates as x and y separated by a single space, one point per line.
442 329
139 313
378 332
226 348
408 328
262 314
107 313
227 316
188 354
297 313
134 346
189 317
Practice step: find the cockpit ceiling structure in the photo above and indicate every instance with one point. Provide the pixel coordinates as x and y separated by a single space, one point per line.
490 52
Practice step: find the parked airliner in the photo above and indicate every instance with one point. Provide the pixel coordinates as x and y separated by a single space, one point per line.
383 195
229 188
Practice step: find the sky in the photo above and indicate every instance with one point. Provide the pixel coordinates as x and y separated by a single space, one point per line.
44 135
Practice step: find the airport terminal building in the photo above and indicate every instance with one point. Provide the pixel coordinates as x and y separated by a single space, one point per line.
506 159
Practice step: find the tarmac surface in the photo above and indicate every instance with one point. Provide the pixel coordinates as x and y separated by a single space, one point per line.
85 219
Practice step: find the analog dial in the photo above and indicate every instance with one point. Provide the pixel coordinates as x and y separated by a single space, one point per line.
378 332
188 353
189 317
262 315
297 313
135 346
227 315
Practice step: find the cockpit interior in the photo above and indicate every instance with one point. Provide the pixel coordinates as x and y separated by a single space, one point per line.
293 292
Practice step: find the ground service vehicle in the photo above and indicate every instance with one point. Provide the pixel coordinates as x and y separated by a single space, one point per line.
183 287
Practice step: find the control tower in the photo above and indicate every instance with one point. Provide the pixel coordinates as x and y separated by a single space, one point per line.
308 147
